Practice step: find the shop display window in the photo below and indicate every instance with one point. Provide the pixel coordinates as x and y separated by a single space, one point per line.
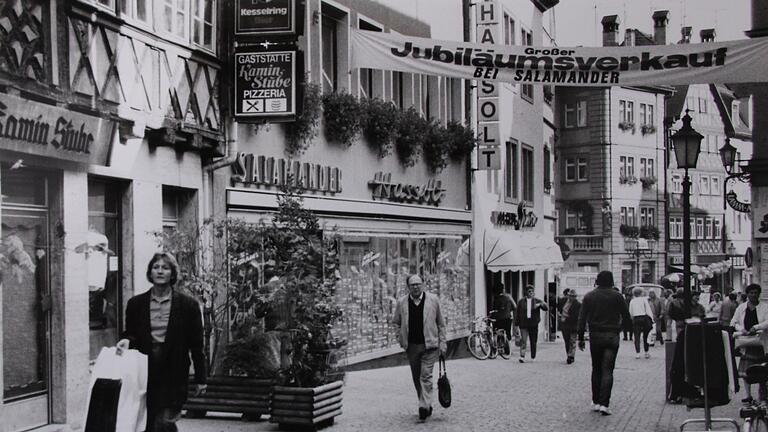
374 269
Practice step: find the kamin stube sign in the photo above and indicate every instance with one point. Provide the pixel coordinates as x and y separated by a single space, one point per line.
265 84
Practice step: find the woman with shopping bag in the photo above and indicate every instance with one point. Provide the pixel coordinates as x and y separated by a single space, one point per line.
167 326
749 319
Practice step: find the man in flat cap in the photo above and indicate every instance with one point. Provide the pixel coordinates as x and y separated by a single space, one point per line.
421 332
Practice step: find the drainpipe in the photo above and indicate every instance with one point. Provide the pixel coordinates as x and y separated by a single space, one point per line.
230 136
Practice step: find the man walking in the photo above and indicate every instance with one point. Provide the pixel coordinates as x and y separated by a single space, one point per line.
569 319
421 332
728 309
527 320
657 309
605 312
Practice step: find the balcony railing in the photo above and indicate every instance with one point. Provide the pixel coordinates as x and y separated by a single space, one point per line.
583 243
709 247
632 244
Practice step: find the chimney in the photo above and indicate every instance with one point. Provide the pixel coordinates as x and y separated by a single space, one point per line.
686 33
629 37
660 20
707 35
610 30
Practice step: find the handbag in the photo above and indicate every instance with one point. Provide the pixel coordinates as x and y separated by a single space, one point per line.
518 336
443 385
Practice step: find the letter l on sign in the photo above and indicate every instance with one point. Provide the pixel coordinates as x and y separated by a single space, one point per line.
488 158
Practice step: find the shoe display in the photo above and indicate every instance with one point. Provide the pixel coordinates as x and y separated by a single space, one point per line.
605 411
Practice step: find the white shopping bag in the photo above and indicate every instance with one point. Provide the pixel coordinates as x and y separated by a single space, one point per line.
131 369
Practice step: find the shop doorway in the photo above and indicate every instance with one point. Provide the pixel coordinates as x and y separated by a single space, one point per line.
25 251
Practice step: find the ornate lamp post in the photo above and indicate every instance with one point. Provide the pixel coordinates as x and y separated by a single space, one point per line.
687 143
728 155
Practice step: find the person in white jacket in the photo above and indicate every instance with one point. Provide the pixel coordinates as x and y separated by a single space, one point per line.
642 320
750 318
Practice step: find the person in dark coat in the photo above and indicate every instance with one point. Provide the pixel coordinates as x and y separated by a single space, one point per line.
569 320
504 307
527 320
167 326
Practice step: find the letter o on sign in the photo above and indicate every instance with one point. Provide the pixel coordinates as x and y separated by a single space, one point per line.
488 109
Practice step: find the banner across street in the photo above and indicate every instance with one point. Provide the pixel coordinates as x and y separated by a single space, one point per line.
742 61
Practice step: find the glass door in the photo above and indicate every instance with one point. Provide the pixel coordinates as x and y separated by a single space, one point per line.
26 298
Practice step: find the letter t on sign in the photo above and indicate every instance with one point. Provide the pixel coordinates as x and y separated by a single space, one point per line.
489 158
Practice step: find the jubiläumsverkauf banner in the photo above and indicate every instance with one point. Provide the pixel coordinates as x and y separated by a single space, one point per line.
740 61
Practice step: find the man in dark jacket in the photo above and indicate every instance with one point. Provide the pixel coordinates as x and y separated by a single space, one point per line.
527 320
503 305
605 312
569 320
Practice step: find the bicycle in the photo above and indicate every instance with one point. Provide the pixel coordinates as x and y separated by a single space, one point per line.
486 342
755 413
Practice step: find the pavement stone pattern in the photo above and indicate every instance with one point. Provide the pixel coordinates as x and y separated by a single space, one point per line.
504 395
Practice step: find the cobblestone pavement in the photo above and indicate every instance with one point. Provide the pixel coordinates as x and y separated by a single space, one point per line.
504 395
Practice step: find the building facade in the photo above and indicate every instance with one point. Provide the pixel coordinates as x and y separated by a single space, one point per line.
610 159
109 111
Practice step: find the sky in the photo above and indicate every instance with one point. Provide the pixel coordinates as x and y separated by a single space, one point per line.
575 19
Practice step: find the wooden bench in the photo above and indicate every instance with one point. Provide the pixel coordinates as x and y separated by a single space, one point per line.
248 396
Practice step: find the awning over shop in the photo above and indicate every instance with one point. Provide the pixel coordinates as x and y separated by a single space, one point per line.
514 250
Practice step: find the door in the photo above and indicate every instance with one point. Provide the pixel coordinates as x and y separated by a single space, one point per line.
26 299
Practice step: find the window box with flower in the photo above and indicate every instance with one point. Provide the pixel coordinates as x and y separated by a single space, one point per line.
629 231
649 232
648 182
647 129
627 126
627 179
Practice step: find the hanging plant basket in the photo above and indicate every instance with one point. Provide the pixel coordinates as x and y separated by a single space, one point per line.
300 132
461 141
434 147
379 125
341 115
411 130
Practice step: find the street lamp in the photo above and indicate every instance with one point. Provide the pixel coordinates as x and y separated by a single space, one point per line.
728 157
687 143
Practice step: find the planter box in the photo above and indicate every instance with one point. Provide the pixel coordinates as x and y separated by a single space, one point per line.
248 396
309 408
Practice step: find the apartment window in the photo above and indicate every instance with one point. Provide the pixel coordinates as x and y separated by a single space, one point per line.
626 166
702 105
509 30
203 23
528 174
622 166
574 220
171 210
397 89
647 216
715 185
626 111
136 9
631 216
330 59
576 114
174 19
646 167
547 170
642 112
692 226
526 90
699 228
630 166
675 228
582 169
107 3
511 171
717 228
623 212
677 183
646 114
570 170
708 228
704 182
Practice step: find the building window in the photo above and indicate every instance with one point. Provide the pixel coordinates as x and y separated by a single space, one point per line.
171 210
702 105
646 168
588 267
715 185
717 228
631 216
528 174
675 228
547 170
570 170
509 30
704 182
397 89
526 90
735 112
574 220
626 166
582 168
136 9
647 216
699 228
511 171
575 114
692 227
330 59
646 114
708 228
626 111
174 18
203 23
677 183
623 212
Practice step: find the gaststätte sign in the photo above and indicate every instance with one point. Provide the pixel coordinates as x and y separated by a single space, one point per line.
721 62
261 17
265 84
47 130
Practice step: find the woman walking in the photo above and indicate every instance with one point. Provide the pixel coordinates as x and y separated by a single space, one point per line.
167 326
642 320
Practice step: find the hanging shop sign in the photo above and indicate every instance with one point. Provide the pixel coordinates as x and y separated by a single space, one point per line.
737 205
431 192
249 169
524 218
265 17
45 130
265 84
721 62
488 30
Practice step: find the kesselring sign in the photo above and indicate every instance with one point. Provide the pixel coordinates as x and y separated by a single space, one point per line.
262 17
265 84
741 61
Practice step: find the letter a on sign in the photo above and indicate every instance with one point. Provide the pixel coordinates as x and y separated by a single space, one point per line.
489 158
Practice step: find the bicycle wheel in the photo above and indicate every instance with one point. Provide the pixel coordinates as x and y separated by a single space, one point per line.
504 345
755 425
478 346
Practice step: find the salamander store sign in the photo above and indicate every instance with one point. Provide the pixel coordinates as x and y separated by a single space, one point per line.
265 84
46 130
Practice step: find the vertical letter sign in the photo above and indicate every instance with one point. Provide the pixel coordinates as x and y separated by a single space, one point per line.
260 17
265 84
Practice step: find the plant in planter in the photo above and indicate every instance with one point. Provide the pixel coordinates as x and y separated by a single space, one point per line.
341 115
411 130
627 179
648 129
300 132
379 124
461 141
434 147
627 126
648 182
629 231
649 232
